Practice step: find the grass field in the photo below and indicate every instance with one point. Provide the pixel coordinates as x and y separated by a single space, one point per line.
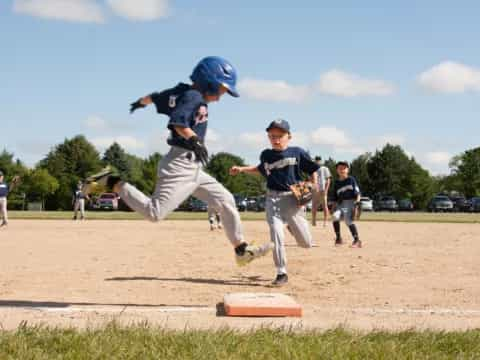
248 216
145 342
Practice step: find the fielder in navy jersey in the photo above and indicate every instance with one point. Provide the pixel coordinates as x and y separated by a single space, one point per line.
346 195
283 166
180 173
4 189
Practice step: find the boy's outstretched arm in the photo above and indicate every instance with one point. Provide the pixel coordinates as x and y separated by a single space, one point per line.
235 170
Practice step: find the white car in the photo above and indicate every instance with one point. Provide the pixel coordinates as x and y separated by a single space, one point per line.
366 204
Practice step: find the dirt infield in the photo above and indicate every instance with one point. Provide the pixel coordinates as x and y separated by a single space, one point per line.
175 273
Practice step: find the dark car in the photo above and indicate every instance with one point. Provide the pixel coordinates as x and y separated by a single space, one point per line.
198 205
256 203
241 202
440 203
387 203
405 205
461 204
475 204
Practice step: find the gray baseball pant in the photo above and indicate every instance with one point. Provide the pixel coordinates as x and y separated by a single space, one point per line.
80 205
3 210
344 211
281 209
178 177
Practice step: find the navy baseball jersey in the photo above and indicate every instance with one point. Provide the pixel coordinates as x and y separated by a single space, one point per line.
345 189
284 168
186 108
3 189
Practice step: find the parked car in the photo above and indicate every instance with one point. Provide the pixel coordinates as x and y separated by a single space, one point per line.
241 202
366 204
440 203
106 201
387 203
461 204
198 205
405 205
475 204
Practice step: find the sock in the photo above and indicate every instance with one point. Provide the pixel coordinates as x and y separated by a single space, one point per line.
353 230
240 249
336 227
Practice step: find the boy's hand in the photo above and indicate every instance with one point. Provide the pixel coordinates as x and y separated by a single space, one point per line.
136 105
199 149
235 170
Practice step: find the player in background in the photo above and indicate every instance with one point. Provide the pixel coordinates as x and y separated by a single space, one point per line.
214 218
3 200
282 166
79 201
4 191
321 192
346 195
180 173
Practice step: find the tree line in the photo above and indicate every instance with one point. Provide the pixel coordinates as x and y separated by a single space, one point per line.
388 171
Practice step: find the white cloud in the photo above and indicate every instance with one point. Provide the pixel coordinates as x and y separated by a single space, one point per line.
450 77
339 83
330 136
86 11
140 10
271 90
438 157
95 122
126 141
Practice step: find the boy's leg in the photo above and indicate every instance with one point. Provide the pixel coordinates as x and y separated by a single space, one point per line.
3 211
349 220
336 217
215 194
315 202
177 178
75 209
325 208
277 233
296 221
82 208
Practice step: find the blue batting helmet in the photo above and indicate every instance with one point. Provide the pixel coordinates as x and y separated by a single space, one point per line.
212 72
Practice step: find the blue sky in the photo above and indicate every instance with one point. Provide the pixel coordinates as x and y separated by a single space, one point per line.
349 77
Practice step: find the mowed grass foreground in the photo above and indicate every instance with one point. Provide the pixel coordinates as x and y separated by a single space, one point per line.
144 342
421 217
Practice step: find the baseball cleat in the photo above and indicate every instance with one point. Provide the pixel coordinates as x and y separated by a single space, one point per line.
280 280
253 252
338 242
356 244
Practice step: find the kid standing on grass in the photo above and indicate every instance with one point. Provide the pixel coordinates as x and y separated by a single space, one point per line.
346 195
180 172
282 166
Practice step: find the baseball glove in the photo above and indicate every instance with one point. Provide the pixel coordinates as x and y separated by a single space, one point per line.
303 192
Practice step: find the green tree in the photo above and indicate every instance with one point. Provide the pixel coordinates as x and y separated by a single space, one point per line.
359 169
38 184
149 172
10 168
219 166
466 167
73 160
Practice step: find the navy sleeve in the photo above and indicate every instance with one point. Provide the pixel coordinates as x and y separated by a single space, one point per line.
260 166
307 165
184 112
